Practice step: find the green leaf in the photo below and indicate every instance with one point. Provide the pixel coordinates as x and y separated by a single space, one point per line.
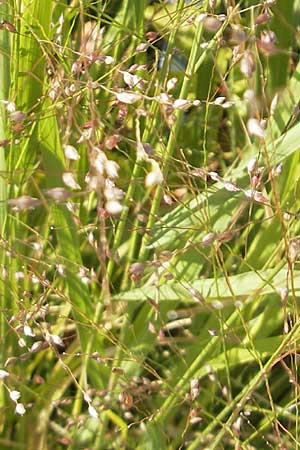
242 285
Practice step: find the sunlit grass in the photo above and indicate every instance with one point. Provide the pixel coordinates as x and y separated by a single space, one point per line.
149 197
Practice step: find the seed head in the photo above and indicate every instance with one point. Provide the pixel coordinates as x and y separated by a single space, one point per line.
24 202
71 152
20 409
69 180
3 374
247 64
154 177
252 165
255 128
92 412
113 207
294 249
15 395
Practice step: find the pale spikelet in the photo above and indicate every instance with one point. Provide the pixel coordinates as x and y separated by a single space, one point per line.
154 177
237 424
208 239
111 192
107 59
256 196
71 152
194 388
20 409
17 116
128 97
262 18
269 3
219 100
164 99
24 202
276 171
82 274
55 89
132 80
214 176
112 141
99 162
267 42
231 187
283 293
274 104
252 165
3 374
171 84
112 169
15 395
57 340
38 345
92 412
34 279
200 17
54 339
11 107
247 64
294 249
212 24
69 180
28 331
136 269
249 95
217 304
255 129
85 135
142 47
91 181
113 207
181 103
19 275
58 194
194 417
21 342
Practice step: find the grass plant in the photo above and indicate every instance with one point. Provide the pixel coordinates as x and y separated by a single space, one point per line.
149 206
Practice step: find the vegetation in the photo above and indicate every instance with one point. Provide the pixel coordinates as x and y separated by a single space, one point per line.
149 184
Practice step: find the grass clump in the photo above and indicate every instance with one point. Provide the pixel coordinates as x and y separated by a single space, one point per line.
149 235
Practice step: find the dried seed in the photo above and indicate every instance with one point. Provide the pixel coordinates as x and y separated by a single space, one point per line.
3 374
71 152
128 97
208 239
247 64
142 47
92 412
58 194
262 18
20 409
136 268
255 128
113 207
24 202
294 249
211 24
15 395
69 180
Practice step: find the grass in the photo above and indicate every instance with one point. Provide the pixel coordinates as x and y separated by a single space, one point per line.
149 208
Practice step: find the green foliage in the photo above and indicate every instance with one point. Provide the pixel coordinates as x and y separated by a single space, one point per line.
149 202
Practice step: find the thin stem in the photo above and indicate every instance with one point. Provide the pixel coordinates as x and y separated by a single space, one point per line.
4 93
